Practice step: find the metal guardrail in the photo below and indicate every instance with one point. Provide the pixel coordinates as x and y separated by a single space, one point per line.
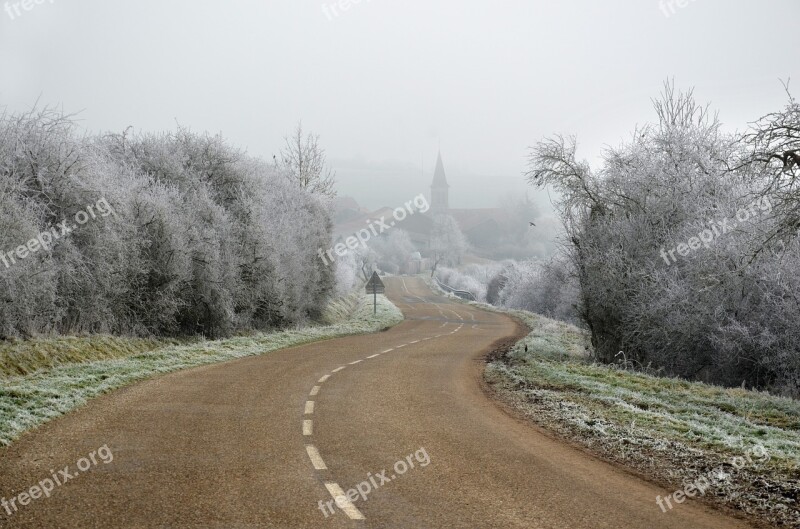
463 294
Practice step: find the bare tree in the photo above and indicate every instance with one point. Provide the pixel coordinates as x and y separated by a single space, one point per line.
304 163
772 158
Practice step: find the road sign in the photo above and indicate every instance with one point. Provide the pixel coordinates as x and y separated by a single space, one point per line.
375 286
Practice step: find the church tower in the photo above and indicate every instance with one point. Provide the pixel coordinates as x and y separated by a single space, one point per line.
440 191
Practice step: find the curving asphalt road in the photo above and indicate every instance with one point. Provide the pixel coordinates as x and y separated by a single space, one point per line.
268 441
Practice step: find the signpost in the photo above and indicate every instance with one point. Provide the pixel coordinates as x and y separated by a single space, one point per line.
375 286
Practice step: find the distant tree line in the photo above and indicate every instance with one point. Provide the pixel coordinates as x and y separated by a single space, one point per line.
725 305
547 287
204 240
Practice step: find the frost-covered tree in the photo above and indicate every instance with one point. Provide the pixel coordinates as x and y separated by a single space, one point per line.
771 157
304 163
448 243
549 288
393 250
719 313
203 239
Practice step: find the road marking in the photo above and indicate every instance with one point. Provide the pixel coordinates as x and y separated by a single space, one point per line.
336 492
316 459
343 502
458 316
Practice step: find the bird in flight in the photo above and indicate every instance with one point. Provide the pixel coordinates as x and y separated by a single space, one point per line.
532 224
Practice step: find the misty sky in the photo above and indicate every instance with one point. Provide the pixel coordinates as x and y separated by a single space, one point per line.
385 82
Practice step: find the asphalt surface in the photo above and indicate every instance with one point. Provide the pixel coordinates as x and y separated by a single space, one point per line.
238 445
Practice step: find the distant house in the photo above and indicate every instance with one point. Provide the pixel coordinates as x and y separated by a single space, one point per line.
418 226
482 227
346 209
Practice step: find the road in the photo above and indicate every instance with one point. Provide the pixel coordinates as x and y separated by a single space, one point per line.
265 442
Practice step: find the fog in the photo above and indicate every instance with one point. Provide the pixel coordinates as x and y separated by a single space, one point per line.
576 213
387 83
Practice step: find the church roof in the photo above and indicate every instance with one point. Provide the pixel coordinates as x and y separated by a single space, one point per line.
439 179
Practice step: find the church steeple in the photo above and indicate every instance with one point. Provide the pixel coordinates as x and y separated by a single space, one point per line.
440 190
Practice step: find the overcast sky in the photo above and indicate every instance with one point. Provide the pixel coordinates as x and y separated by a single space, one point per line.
385 82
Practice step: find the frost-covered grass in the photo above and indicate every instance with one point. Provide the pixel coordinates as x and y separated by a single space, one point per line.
28 400
343 308
669 429
699 415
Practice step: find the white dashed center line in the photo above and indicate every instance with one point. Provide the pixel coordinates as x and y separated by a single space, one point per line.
343 502
316 459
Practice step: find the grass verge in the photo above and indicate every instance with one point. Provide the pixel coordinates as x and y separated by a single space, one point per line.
78 369
669 430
